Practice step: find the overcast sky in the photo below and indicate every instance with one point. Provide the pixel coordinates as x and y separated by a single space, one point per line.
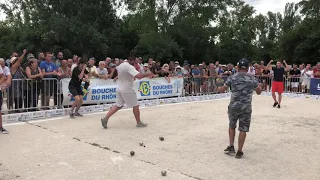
261 6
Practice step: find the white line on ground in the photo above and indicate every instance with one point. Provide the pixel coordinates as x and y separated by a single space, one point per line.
103 112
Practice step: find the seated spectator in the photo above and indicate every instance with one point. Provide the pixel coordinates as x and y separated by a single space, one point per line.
34 73
102 72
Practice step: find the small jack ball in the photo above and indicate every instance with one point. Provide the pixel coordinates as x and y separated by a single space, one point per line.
161 138
163 173
132 153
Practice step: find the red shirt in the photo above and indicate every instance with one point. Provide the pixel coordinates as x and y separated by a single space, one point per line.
314 73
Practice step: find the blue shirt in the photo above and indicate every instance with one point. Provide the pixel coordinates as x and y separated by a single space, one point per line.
48 67
196 72
220 71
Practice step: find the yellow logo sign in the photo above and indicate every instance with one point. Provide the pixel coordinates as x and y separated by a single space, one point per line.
144 88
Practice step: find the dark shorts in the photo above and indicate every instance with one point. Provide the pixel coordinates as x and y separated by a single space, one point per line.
243 116
75 91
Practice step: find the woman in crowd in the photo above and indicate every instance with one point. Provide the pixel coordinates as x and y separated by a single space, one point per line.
34 73
18 86
164 72
79 74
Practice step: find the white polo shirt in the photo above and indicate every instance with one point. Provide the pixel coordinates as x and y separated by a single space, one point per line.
126 74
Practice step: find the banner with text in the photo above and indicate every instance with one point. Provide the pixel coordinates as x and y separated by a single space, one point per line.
104 91
315 86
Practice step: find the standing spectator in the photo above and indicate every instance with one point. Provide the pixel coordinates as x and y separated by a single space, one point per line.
6 82
26 64
49 70
113 73
178 71
18 86
145 69
92 69
34 73
70 62
2 130
266 79
196 74
306 78
316 71
251 69
75 60
57 62
65 72
212 73
165 72
295 78
137 64
102 72
8 61
41 57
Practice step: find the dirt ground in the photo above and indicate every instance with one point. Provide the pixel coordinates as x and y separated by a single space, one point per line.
282 144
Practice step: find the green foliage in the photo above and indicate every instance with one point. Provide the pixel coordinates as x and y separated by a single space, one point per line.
194 30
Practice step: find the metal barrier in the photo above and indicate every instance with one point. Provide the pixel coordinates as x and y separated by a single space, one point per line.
28 95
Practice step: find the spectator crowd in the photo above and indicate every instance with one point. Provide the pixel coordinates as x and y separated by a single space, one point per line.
25 82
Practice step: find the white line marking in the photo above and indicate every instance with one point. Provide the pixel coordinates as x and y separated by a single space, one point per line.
104 112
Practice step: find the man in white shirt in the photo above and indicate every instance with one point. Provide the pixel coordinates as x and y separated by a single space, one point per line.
125 93
306 74
102 72
2 130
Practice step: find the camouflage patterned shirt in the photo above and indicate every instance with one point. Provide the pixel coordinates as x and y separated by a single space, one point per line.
242 86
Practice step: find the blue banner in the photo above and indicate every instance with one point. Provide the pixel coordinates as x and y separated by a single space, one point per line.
315 86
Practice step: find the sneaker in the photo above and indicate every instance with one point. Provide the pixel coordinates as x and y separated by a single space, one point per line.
4 131
78 114
104 122
72 116
229 150
239 155
141 125
279 106
275 104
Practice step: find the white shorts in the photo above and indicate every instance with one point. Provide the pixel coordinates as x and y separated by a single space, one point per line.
294 84
305 83
130 99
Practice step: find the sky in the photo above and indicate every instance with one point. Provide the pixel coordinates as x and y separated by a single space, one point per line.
261 6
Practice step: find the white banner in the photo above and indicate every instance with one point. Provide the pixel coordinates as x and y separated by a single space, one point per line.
103 91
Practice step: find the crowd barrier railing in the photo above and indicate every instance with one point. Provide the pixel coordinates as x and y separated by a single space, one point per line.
28 95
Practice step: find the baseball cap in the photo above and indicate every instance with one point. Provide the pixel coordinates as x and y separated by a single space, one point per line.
112 65
243 63
30 56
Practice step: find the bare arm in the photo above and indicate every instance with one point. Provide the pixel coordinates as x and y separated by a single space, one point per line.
269 67
141 76
259 89
82 72
287 68
222 89
29 75
16 65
